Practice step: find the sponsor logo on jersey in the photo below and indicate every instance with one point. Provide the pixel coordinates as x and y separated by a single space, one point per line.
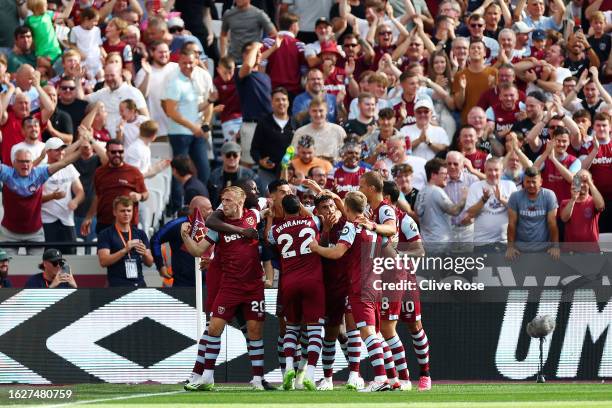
230 238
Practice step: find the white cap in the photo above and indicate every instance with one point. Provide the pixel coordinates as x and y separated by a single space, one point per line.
54 143
424 103
176 22
521 27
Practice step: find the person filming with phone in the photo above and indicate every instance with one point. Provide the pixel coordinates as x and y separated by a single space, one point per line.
123 248
55 273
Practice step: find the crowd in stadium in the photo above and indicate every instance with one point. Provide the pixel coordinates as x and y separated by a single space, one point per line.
483 125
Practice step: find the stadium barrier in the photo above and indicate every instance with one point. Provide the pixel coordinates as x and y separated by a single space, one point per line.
132 336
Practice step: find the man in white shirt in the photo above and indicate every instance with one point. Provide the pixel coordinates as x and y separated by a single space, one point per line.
62 194
30 127
427 140
396 154
487 204
115 91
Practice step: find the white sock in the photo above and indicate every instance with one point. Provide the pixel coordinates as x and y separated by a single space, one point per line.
302 363
310 371
257 378
289 363
380 378
208 376
353 375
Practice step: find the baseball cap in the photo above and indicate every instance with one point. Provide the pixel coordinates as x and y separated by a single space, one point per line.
329 46
176 22
54 143
521 28
230 147
52 255
4 256
323 20
424 103
538 35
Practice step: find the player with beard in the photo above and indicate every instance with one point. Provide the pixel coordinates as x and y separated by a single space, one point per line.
336 282
383 222
303 295
409 243
362 305
213 276
241 286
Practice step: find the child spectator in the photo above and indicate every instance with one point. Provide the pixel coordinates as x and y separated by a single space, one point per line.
114 30
46 44
129 128
226 99
138 154
87 38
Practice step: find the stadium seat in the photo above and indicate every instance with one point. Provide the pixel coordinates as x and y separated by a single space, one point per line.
605 242
161 150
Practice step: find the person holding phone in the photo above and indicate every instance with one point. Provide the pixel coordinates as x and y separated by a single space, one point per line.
123 248
55 273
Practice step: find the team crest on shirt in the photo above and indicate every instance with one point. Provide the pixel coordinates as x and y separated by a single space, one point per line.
345 231
221 310
388 212
588 213
32 188
250 221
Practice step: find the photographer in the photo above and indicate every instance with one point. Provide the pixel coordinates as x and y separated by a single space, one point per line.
55 272
122 248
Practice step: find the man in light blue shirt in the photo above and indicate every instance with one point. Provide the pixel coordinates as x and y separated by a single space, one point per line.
186 132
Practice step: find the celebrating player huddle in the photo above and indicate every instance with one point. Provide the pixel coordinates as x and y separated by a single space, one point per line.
323 290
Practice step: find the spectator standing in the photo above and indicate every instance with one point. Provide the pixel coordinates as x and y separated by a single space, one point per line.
599 162
396 154
309 14
427 140
4 270
60 123
184 171
123 248
31 143
114 179
68 101
22 197
475 158
284 56
62 194
183 262
328 137
43 31
472 81
365 122
116 91
272 136
92 156
345 178
255 89
138 154
11 119
186 132
487 205
243 24
152 78
53 274
402 175
315 88
457 186
229 172
557 166
227 99
306 158
435 208
22 51
581 213
532 218
87 38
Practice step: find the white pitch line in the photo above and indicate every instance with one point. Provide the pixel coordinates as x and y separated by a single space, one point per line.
125 397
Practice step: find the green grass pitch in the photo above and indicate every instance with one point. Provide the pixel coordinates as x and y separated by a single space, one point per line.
514 395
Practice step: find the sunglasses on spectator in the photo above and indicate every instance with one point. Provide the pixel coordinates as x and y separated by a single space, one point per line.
476 25
115 152
231 155
385 33
56 263
175 29
67 88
